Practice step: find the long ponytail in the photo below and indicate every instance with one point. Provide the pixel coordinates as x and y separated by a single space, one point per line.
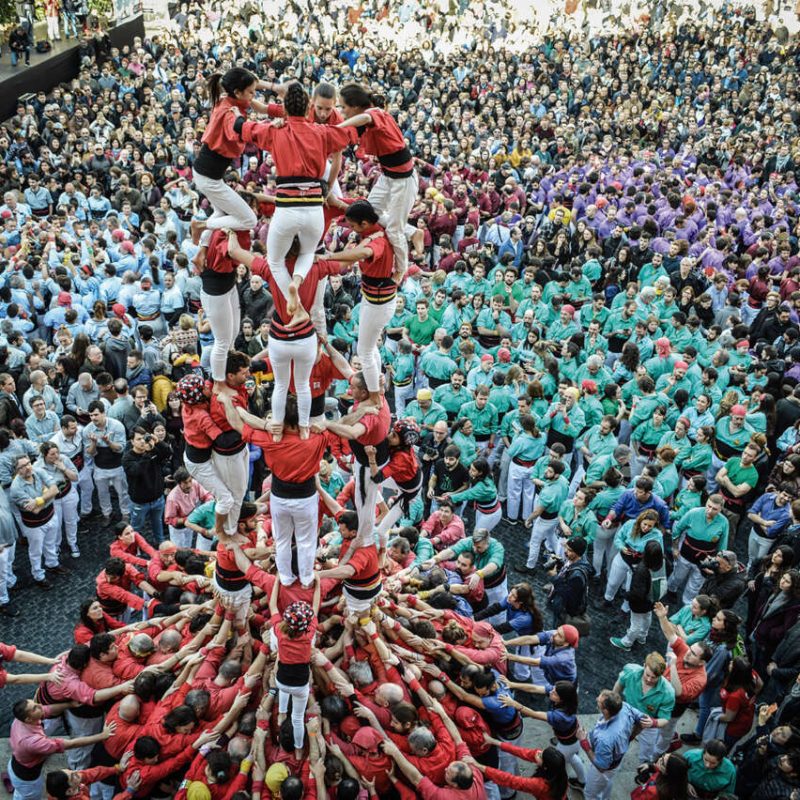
234 80
214 87
356 96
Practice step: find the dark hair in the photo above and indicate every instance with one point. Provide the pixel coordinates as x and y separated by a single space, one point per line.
234 80
78 657
740 676
356 96
653 555
362 211
234 362
57 784
146 747
182 715
219 763
296 100
554 770
481 467
674 783
292 788
715 748
100 644
568 696
325 90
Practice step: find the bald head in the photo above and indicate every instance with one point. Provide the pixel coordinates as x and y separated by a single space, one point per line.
141 645
388 694
129 708
169 641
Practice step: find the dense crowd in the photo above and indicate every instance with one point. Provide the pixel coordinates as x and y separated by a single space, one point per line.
547 291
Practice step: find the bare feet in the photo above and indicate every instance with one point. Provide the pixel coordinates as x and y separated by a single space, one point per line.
199 261
304 432
293 300
281 718
418 242
299 317
196 226
277 431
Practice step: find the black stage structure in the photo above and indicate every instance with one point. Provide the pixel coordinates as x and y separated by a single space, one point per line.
48 70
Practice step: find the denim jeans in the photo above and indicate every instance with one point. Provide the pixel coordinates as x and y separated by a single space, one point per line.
154 512
15 56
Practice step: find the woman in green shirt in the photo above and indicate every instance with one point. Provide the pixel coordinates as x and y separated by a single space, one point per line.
603 544
575 518
645 438
344 328
691 496
463 436
698 460
693 622
483 493
668 479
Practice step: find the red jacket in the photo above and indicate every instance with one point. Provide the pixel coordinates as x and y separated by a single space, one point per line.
219 134
199 428
116 597
129 553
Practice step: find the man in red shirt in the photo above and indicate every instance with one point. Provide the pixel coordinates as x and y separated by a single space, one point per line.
229 455
358 569
686 672
366 425
114 589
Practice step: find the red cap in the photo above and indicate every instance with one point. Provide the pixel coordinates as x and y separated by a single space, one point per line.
681 365
483 629
350 726
569 309
504 354
590 387
119 309
488 357
127 247
570 633
368 738
64 299
738 411
743 342
414 270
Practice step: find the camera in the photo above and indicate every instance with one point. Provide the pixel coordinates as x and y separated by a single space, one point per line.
149 438
552 561
711 564
643 773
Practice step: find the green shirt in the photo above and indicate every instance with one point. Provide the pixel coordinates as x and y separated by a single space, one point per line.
553 495
695 524
484 492
695 628
659 700
450 400
430 416
421 332
437 365
737 474
526 447
494 554
484 420
204 515
719 780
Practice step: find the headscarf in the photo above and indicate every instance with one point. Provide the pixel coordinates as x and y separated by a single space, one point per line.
298 616
191 389
276 775
408 431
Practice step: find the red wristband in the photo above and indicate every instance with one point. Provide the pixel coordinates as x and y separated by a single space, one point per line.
585 745
327 666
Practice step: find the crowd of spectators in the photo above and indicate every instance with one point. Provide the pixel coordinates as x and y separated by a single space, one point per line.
599 340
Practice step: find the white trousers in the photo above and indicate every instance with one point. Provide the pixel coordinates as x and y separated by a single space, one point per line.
403 395
104 479
648 744
230 209
393 199
521 491
620 574
80 757
26 790
239 602
317 310
599 784
308 224
297 355
207 476
4 554
603 550
67 518
687 575
295 517
638 629
488 521
53 31
224 313
367 493
182 538
572 753
372 322
233 471
42 546
299 695
86 486
544 530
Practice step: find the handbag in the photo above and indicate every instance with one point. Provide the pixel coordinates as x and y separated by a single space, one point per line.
580 621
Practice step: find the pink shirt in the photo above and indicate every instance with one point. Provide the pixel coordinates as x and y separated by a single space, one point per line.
71 686
180 504
29 743
445 535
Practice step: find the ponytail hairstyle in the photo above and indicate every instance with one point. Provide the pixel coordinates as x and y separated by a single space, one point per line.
356 96
296 100
362 212
234 80
327 91
554 770
219 765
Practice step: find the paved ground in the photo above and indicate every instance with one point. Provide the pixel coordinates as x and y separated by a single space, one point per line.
47 618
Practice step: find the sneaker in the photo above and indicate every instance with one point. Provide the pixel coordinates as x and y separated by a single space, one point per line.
526 570
576 784
8 610
76 553
6 779
43 584
619 643
513 522
604 605
690 738
59 570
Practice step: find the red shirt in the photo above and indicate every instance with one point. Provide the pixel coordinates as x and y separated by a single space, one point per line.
429 791
384 138
381 264
295 650
293 460
114 595
744 705
124 735
7 653
299 148
403 466
307 291
323 374
219 134
83 633
199 428
693 679
218 410
278 110
376 425
128 553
